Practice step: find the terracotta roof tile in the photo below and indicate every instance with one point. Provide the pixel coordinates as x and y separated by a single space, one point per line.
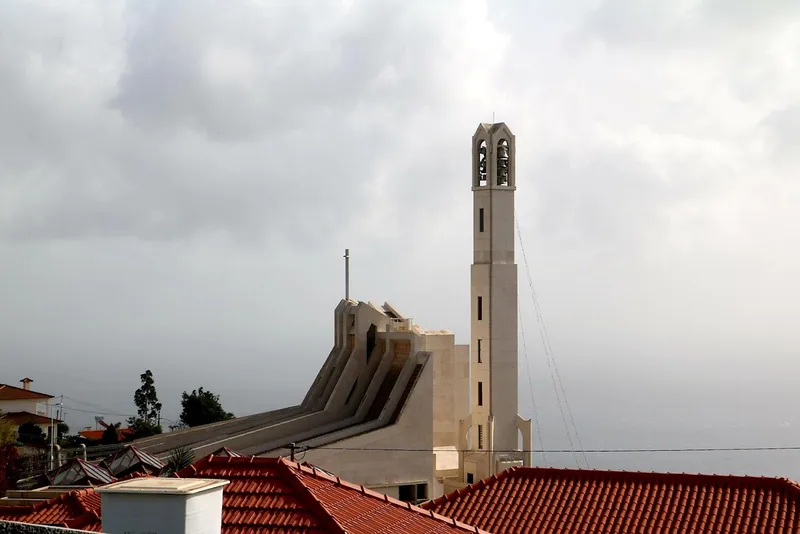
274 494
564 501
75 509
97 435
8 392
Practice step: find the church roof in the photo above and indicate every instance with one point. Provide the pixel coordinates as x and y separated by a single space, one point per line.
568 501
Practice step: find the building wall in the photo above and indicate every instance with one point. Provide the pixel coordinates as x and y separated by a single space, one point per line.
384 470
450 387
33 406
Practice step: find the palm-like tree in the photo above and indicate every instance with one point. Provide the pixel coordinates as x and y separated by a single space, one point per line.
179 458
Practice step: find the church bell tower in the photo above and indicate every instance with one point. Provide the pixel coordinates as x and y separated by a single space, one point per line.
494 344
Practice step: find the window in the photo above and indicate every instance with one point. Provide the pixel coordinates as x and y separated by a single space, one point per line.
480 308
413 493
470 478
480 220
480 393
480 342
482 167
502 162
480 437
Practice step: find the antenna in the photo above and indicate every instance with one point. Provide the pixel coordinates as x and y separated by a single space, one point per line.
347 274
492 117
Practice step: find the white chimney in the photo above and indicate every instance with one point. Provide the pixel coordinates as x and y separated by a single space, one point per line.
162 506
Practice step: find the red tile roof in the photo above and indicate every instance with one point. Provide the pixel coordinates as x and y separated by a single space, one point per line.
76 509
20 418
14 393
97 435
267 495
565 501
276 495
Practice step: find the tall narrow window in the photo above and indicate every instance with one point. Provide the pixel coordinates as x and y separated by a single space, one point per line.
480 219
480 342
482 167
480 308
480 436
502 162
480 393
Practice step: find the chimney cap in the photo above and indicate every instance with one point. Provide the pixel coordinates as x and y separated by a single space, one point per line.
163 486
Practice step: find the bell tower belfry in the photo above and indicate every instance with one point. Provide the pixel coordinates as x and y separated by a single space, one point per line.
494 424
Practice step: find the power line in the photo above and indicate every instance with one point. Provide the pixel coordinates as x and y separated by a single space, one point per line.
567 451
537 428
548 352
97 412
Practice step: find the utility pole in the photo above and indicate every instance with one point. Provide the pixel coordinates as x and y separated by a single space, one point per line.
52 458
347 274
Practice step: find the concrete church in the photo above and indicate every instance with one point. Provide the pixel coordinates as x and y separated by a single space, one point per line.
398 408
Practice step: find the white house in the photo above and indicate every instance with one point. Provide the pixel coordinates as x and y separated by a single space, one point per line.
22 405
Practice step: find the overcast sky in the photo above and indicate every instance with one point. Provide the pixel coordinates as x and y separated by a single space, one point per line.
178 180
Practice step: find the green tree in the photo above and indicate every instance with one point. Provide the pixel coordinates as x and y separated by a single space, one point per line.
8 431
29 433
202 407
9 457
146 400
180 457
63 430
9 467
110 434
141 428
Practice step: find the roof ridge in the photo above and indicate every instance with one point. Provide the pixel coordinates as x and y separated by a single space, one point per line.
26 390
193 468
76 497
377 495
763 481
319 510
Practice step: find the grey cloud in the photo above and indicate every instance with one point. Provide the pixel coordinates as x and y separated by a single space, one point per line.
289 65
255 158
783 129
605 197
690 24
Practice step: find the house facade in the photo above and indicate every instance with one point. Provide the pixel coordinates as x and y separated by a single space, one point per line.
21 405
